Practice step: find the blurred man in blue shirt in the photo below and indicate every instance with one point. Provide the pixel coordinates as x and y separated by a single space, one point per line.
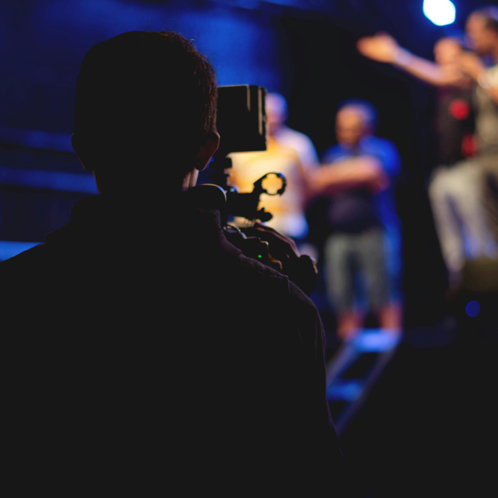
358 176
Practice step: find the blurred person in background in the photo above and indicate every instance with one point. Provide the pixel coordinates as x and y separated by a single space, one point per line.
456 186
289 152
358 176
277 114
482 34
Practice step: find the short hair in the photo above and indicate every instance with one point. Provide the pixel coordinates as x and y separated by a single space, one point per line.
457 40
277 103
141 87
366 109
490 15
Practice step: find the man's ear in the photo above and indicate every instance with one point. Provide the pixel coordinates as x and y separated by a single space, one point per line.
80 149
207 150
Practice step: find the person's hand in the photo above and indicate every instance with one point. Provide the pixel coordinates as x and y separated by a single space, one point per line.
382 47
282 248
380 180
284 257
379 184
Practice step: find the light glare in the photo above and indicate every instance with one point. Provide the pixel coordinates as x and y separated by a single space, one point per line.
440 12
473 308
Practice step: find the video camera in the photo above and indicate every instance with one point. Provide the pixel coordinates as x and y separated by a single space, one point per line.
241 123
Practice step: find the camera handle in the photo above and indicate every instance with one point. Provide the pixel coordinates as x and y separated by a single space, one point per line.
244 205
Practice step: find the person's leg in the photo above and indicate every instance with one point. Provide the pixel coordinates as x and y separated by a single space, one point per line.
467 193
348 324
446 222
391 315
373 269
340 283
489 166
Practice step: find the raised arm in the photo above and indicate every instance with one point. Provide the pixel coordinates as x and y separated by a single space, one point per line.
384 48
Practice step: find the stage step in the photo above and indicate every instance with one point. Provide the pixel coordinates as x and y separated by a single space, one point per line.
355 369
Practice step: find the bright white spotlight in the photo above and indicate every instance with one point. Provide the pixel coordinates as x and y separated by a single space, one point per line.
440 12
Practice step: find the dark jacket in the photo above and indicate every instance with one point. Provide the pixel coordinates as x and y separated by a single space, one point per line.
142 348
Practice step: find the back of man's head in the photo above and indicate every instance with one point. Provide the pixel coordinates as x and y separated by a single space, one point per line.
144 104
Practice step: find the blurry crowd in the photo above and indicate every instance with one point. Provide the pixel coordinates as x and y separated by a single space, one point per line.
348 195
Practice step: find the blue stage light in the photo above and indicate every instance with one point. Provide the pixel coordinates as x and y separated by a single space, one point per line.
440 12
473 308
9 248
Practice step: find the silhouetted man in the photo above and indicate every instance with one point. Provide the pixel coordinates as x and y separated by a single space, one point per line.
143 350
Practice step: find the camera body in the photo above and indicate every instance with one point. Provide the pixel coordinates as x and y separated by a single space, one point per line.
241 119
241 123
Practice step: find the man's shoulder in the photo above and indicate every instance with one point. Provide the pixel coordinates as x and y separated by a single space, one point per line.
290 134
380 142
39 256
24 261
249 274
300 304
248 269
385 151
333 153
380 145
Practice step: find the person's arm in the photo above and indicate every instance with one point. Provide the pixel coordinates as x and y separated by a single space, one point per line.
474 67
384 48
363 171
